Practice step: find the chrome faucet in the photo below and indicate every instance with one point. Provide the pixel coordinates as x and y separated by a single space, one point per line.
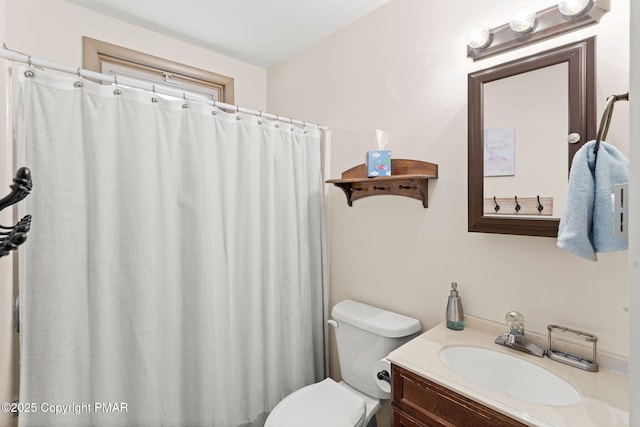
515 337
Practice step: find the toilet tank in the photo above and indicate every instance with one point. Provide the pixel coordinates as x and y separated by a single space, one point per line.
364 335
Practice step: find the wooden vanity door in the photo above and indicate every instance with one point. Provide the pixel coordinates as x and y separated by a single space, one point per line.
418 402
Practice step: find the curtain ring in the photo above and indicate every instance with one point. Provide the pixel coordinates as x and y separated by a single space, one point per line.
29 61
154 99
116 91
517 207
497 206
277 125
78 83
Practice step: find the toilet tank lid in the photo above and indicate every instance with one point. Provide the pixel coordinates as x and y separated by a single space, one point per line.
375 320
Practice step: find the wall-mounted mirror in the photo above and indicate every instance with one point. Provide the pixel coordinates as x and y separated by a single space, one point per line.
527 118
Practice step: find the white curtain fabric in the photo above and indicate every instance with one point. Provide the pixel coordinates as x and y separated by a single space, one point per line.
174 272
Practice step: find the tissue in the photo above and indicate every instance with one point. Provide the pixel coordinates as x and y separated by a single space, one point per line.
378 161
382 365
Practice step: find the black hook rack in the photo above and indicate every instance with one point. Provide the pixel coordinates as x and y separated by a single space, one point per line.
16 235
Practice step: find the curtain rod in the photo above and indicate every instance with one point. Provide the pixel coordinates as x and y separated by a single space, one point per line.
12 55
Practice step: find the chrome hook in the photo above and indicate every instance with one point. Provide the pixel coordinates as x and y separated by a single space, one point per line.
116 91
78 83
154 99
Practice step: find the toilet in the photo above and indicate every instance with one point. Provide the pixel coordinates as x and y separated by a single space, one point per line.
364 335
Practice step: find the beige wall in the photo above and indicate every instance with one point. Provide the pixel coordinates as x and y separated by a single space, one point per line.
403 69
53 30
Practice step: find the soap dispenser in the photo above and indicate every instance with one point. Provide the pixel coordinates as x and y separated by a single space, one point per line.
455 315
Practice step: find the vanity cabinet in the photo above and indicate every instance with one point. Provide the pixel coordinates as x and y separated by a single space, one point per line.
418 402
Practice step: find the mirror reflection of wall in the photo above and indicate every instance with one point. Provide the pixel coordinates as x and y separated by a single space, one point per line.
531 162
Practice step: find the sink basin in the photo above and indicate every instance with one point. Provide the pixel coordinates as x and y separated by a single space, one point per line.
509 375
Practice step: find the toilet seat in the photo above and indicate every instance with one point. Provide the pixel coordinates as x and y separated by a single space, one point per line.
322 404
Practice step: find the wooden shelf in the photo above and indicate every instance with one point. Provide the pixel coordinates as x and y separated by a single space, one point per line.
410 178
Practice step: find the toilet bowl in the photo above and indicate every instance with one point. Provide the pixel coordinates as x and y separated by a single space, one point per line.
364 335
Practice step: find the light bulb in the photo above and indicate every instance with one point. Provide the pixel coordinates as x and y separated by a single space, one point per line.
523 20
479 37
573 7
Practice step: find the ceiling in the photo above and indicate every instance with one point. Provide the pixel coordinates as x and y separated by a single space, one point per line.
260 32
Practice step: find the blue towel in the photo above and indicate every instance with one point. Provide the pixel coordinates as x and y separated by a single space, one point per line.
586 226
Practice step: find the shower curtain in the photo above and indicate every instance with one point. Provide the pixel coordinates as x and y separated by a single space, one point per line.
175 268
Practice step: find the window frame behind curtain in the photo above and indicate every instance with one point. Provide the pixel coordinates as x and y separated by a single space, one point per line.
100 56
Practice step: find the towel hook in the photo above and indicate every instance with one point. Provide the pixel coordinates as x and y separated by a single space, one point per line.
497 206
540 207
517 207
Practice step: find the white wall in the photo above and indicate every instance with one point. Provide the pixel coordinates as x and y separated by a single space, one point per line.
53 30
403 69
634 243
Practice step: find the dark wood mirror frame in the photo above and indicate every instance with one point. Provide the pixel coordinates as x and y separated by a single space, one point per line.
580 57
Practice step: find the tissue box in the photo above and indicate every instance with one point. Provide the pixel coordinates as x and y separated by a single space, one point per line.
378 163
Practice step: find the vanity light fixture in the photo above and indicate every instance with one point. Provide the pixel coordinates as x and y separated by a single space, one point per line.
528 26
523 21
571 8
479 37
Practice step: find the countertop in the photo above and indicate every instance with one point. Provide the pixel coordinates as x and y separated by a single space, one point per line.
604 393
